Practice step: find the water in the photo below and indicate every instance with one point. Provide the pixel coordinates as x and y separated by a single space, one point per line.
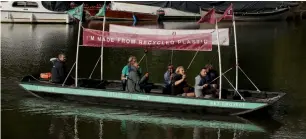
272 54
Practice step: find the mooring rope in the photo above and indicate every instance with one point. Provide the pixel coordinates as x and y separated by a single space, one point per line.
68 74
95 67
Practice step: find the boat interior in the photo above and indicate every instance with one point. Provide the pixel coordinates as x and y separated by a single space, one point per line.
155 89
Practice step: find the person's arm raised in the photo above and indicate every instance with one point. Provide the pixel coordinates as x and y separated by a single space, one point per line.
180 81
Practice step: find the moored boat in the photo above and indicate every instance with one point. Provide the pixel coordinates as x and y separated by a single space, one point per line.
277 14
30 12
114 15
244 11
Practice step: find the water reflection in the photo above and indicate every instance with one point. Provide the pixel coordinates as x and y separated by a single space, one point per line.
33 44
132 123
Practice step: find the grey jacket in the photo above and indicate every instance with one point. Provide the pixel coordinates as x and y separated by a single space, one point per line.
134 80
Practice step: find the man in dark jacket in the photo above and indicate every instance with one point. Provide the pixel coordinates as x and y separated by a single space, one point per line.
134 79
59 69
212 74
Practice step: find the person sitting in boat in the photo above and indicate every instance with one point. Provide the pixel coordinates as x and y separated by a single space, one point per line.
179 83
125 70
202 86
135 82
211 74
58 71
167 78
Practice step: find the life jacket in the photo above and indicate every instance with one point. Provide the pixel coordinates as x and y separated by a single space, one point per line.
46 76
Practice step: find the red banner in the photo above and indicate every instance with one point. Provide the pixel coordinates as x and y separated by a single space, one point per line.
191 42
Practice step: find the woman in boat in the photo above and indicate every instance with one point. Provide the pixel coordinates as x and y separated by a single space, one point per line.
179 83
134 79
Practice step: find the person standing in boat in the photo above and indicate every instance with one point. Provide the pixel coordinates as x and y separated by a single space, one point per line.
58 71
134 79
202 86
125 71
168 77
179 83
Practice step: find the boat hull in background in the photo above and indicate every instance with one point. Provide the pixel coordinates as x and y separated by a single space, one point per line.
34 17
126 16
281 14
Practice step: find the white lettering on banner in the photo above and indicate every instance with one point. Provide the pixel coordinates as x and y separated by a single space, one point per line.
92 38
133 41
181 42
147 42
128 41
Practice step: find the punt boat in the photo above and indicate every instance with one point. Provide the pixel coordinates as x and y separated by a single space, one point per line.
100 91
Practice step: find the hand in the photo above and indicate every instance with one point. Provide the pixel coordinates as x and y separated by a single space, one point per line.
205 85
171 76
184 76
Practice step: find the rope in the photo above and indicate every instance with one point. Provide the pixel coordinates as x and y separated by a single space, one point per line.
68 74
142 58
147 64
249 78
145 51
171 57
192 60
221 75
234 87
94 67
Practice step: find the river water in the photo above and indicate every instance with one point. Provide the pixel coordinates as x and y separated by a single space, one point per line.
271 53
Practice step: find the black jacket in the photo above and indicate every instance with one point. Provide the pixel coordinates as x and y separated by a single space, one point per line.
58 72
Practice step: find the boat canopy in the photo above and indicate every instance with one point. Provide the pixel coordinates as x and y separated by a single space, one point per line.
223 32
187 42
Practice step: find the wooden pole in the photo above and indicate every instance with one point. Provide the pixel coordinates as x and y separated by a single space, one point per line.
219 54
102 46
77 55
